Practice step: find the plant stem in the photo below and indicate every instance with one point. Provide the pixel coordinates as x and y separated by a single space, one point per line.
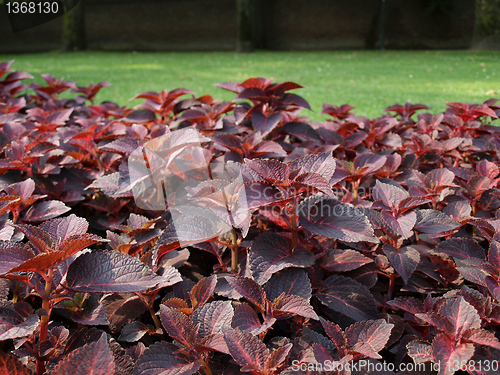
390 290
206 368
234 252
44 320
155 317
355 185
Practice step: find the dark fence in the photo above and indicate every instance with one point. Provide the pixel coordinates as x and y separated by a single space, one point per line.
194 25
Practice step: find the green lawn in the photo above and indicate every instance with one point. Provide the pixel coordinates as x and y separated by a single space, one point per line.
369 80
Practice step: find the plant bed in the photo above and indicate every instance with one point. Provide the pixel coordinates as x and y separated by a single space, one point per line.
188 235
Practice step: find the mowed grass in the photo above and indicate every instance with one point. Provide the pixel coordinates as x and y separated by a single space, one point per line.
368 80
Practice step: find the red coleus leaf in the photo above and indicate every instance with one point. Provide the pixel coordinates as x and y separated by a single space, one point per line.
404 260
212 317
433 221
347 296
202 291
178 326
420 351
246 350
336 334
461 314
368 337
291 281
278 356
294 305
122 308
338 260
339 112
391 196
461 248
406 110
91 90
246 319
334 219
133 332
264 124
250 290
322 163
11 366
163 358
45 210
400 224
93 358
16 320
12 254
271 253
109 271
448 354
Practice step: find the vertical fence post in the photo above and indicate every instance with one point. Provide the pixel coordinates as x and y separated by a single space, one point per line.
245 26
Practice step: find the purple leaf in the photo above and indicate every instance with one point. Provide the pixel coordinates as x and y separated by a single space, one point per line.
291 281
46 210
471 271
178 325
271 253
401 224
265 124
335 334
420 351
493 286
10 365
246 319
481 337
163 358
15 323
447 354
368 163
13 254
334 219
250 290
122 308
389 194
437 320
404 260
433 221
62 228
295 305
278 356
202 291
374 333
109 271
461 248
93 358
338 260
246 350
302 131
212 317
461 314
133 332
123 145
494 254
348 297
322 163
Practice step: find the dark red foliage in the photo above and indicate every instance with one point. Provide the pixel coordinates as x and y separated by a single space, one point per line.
348 240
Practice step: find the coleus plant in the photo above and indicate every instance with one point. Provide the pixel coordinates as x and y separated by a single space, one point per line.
344 241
